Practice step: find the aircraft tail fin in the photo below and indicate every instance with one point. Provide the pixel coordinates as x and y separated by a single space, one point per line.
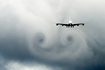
70 21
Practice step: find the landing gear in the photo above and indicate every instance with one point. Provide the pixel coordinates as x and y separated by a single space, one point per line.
72 26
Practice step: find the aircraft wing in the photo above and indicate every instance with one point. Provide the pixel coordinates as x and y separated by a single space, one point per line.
78 24
61 24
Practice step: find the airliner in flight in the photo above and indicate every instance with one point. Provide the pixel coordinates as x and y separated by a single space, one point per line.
70 24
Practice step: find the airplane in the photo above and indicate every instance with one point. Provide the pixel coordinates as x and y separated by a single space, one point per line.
70 24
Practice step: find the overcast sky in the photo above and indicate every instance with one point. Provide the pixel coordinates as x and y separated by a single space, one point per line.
30 39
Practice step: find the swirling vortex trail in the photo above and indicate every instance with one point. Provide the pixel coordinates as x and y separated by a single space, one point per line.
71 45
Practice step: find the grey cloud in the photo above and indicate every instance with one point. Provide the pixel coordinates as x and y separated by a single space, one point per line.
26 33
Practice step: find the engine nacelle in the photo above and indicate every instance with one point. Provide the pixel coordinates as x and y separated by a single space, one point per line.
83 24
56 24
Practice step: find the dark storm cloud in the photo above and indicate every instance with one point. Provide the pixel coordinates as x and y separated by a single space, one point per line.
26 33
